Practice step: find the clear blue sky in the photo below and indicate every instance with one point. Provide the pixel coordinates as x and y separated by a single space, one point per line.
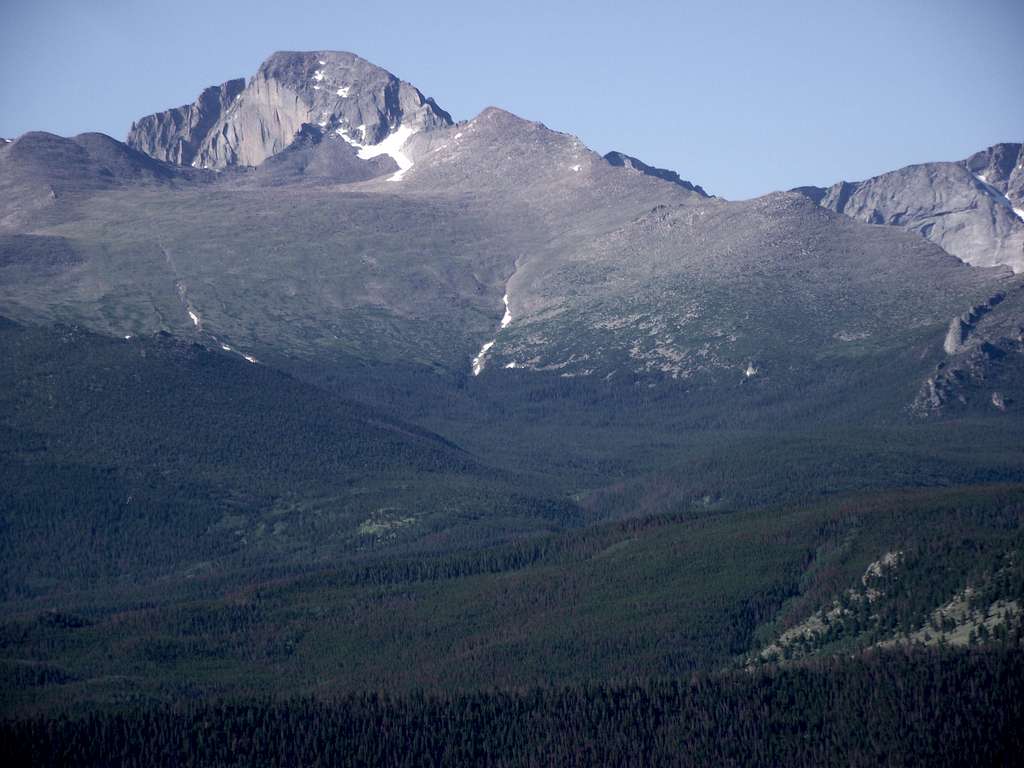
742 97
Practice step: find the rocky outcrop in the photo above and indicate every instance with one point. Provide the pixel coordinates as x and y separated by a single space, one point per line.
626 161
984 349
973 209
1001 167
334 91
960 327
176 134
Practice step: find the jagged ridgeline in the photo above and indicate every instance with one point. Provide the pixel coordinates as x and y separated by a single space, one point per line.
239 123
974 209
311 389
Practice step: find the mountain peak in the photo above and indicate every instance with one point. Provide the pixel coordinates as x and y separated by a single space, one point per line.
239 123
973 209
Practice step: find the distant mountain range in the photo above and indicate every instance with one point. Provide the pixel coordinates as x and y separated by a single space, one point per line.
602 267
312 322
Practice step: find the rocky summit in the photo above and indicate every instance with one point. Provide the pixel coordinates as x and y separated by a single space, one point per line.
244 123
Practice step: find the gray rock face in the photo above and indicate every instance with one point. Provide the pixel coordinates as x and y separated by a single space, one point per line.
974 209
337 92
176 134
626 161
961 327
1002 167
984 349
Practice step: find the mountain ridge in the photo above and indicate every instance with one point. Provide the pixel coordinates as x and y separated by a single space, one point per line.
972 208
562 226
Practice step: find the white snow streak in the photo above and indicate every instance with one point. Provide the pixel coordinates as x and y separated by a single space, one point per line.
1020 213
229 348
391 146
195 318
321 62
481 356
478 361
507 318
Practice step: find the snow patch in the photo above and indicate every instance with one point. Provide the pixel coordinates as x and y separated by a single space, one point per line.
1020 213
127 337
478 361
750 371
391 146
574 168
316 87
194 317
348 139
247 358
318 75
481 356
343 92
321 62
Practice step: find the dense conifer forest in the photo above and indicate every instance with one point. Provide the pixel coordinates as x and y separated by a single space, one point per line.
896 708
